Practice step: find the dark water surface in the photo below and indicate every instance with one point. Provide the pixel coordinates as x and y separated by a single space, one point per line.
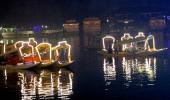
92 77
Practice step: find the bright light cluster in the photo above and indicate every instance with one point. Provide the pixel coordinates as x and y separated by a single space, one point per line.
63 44
140 34
108 37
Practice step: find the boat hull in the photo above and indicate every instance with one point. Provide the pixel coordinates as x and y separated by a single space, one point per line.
125 54
47 65
62 65
19 67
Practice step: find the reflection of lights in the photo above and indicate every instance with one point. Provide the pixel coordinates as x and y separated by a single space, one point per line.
108 37
126 36
65 89
44 85
28 85
109 70
63 44
135 69
126 69
150 70
140 34
48 47
6 77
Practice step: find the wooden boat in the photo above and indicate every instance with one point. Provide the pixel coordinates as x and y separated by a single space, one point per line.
21 66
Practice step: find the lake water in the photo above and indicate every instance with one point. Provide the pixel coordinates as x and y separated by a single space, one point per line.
92 77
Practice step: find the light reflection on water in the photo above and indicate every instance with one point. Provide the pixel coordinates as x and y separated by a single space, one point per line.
138 71
109 70
45 85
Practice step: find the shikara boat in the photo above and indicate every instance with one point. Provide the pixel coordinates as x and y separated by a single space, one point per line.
132 46
62 54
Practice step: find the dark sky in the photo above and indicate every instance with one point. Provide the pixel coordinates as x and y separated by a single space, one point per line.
49 11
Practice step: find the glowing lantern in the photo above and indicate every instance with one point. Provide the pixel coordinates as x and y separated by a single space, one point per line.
126 36
62 45
27 52
44 52
108 37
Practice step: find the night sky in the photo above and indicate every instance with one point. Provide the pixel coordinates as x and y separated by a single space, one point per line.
51 11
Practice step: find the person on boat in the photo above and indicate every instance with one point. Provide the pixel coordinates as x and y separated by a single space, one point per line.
63 54
110 51
116 48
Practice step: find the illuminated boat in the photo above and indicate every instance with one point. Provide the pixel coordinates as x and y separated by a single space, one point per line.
62 54
13 61
139 47
105 46
44 53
